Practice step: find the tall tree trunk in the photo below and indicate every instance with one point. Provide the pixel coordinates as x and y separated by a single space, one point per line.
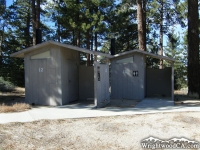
78 44
95 45
88 36
193 49
128 43
35 18
1 41
58 22
27 30
95 37
92 45
140 25
78 36
78 39
58 32
144 23
34 22
88 46
78 31
161 35
2 11
73 37
38 14
1 60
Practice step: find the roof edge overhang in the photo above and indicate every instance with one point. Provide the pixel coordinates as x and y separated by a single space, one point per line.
20 54
145 53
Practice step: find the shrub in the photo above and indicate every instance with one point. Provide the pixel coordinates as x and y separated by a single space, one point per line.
6 86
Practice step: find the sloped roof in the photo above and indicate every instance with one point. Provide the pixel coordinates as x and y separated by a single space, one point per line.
145 53
20 54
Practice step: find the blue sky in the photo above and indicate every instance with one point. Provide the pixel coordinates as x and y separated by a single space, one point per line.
9 2
177 28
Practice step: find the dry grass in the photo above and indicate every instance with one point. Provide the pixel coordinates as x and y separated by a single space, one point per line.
13 101
182 99
17 107
101 133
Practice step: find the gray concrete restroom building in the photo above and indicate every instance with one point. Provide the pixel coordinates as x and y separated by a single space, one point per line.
131 79
54 75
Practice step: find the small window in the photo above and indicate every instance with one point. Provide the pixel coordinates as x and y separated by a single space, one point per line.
125 60
41 55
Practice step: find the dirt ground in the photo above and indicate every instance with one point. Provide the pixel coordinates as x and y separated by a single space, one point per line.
182 99
16 96
120 132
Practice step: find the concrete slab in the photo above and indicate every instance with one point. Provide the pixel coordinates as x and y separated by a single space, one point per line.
155 103
79 111
121 103
16 117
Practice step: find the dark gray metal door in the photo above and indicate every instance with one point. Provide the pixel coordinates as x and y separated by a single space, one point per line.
72 80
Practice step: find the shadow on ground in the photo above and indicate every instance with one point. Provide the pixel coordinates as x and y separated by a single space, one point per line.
117 105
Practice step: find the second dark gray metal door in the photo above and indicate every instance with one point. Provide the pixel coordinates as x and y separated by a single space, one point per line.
72 80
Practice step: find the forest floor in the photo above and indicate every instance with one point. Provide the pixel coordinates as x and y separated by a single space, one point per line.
13 101
116 132
17 95
100 133
182 99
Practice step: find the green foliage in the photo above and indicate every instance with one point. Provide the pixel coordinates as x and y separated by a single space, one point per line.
2 6
12 69
17 35
122 24
93 22
153 47
15 38
6 86
174 50
173 13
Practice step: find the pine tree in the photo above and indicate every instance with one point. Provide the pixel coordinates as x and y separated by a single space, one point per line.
193 48
17 36
175 50
161 16
140 18
2 24
122 23
80 21
35 18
